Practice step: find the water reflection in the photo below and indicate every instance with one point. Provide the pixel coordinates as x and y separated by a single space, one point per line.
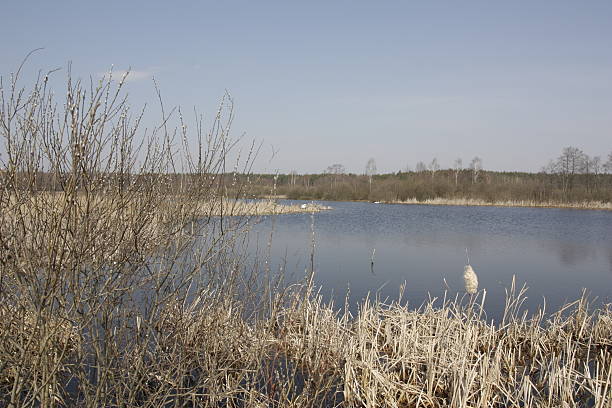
570 253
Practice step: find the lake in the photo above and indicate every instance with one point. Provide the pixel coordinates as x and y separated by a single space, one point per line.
555 252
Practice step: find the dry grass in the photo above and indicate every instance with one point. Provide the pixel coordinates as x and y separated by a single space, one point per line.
442 355
306 354
585 205
257 207
448 357
116 208
116 293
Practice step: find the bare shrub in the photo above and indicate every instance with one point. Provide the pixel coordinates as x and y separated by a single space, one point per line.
100 235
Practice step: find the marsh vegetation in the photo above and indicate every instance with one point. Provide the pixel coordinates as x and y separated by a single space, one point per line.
116 289
587 183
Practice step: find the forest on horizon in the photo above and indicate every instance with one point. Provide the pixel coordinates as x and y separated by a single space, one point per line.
572 177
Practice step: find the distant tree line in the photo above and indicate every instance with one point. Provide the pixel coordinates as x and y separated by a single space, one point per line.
573 166
572 177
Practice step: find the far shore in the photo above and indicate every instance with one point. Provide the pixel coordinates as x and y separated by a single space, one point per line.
582 205
586 205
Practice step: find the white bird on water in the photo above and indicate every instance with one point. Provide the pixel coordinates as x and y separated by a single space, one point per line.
469 277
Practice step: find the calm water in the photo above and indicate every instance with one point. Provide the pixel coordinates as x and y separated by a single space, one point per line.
556 252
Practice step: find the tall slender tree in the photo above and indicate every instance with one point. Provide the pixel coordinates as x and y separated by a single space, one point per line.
434 167
608 165
457 166
370 170
475 167
569 163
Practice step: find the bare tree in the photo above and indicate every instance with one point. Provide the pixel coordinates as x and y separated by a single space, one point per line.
335 170
608 165
476 168
457 166
591 167
550 168
433 167
421 167
293 176
370 170
596 167
570 163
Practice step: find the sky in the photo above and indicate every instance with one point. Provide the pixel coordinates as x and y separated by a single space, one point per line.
323 82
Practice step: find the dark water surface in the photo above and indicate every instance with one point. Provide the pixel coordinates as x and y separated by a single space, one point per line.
556 252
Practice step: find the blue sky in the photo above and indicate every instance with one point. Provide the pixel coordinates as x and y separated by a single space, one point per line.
340 82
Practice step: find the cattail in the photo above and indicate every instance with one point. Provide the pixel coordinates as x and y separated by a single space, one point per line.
469 276
470 279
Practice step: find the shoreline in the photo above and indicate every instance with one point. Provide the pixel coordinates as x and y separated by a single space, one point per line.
596 205
265 207
469 202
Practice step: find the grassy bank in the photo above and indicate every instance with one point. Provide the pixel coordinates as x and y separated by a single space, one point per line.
584 205
542 189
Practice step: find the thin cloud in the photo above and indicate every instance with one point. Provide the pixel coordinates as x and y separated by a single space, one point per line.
132 74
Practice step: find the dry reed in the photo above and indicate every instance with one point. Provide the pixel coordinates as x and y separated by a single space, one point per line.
585 205
257 207
118 292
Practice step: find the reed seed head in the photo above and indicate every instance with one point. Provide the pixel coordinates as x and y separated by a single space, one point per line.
470 279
